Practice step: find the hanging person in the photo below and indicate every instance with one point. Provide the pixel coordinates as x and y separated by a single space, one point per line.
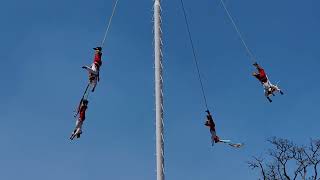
269 89
94 69
82 116
214 138
210 123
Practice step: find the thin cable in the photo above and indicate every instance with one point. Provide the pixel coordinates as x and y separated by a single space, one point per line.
249 53
87 95
194 54
109 23
86 92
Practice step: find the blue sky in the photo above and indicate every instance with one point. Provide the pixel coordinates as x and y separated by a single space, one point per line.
44 44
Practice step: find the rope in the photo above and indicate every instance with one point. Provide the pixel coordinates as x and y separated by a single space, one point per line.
249 53
86 96
109 23
86 92
194 55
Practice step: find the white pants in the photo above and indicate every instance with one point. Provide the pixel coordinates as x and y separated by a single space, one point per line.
269 88
78 128
95 69
267 85
95 74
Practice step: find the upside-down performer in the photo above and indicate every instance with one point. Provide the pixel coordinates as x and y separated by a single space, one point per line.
269 88
214 138
94 69
82 116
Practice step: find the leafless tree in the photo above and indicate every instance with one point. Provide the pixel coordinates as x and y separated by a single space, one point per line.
288 161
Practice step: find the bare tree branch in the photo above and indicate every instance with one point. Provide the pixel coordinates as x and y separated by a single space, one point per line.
284 152
314 158
257 163
281 153
301 159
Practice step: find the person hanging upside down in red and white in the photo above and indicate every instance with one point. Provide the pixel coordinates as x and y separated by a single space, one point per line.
269 89
214 138
82 116
97 62
94 69
210 123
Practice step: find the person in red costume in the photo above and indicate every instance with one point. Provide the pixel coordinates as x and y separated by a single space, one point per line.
82 116
97 62
214 138
95 68
269 89
210 123
260 75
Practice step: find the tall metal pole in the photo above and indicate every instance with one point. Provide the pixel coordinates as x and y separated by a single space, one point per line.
158 90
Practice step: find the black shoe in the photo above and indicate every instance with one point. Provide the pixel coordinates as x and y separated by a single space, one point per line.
269 99
78 135
72 136
281 93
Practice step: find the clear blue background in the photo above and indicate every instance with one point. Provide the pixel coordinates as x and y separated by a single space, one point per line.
44 44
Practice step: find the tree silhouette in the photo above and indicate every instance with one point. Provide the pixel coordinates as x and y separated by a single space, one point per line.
288 161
